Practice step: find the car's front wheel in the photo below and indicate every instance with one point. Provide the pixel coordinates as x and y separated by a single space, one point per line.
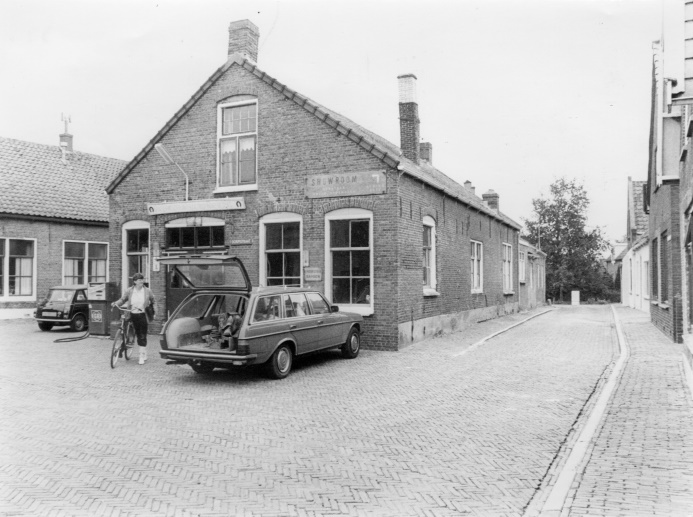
45 326
352 345
79 323
280 363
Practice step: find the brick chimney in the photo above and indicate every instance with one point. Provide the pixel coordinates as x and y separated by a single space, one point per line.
408 117
468 186
491 199
66 142
426 151
243 39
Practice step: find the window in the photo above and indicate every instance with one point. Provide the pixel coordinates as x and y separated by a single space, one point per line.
507 268
267 308
655 268
429 256
349 259
237 136
522 266
193 237
477 260
646 280
135 252
280 249
664 268
318 303
81 257
17 269
631 273
295 305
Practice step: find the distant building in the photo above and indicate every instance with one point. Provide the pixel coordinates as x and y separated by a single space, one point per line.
53 220
635 276
532 276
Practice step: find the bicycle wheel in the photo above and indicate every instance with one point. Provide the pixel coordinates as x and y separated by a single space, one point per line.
115 351
129 342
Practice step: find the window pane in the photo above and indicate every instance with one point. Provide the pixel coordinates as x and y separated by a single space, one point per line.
318 303
97 270
427 236
247 159
74 250
296 305
341 263
291 238
173 237
187 237
21 248
273 236
361 290
138 240
229 169
217 235
97 251
360 263
359 234
292 264
339 234
267 308
2 247
275 265
204 236
341 291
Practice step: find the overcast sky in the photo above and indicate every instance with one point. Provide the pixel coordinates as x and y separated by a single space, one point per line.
512 94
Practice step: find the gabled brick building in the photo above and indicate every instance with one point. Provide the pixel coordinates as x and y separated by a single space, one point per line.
53 220
303 195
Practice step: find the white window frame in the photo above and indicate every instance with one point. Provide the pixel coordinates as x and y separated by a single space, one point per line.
522 266
86 259
246 100
278 217
507 261
430 288
347 214
7 297
477 257
134 225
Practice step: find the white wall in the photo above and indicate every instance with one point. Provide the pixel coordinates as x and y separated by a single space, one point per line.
635 290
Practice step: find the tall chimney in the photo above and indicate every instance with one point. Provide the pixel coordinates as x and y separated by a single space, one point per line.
66 142
243 39
491 198
408 117
426 150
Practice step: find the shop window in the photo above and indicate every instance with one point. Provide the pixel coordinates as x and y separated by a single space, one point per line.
429 256
237 140
81 257
349 259
477 263
507 257
280 249
18 262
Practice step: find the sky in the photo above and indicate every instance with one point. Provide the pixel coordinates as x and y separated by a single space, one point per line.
513 94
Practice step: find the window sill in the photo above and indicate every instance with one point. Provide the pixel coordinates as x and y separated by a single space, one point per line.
509 293
523 281
661 305
428 291
240 188
477 291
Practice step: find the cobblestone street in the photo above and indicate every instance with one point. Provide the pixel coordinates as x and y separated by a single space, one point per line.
449 426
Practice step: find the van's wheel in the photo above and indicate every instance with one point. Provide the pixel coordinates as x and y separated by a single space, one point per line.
79 323
279 364
352 345
201 366
45 326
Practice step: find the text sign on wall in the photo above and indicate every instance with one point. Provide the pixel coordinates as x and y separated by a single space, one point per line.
359 183
200 205
312 274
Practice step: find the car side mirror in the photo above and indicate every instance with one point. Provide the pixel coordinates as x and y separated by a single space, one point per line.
334 308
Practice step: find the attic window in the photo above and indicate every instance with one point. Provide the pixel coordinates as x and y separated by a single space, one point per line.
237 146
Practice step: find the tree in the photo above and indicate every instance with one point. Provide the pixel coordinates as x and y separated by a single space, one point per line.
573 252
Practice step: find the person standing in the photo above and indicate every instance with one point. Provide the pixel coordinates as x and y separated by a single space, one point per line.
142 304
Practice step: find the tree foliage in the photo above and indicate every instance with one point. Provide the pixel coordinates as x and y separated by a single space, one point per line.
573 251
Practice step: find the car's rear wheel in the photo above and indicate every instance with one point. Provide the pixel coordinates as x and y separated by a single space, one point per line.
79 323
352 345
280 363
45 326
201 366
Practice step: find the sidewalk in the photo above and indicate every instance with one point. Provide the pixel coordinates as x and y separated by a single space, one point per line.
641 459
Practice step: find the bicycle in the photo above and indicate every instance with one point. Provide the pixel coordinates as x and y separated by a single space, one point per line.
124 340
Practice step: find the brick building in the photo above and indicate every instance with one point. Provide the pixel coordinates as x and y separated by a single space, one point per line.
531 276
53 220
303 195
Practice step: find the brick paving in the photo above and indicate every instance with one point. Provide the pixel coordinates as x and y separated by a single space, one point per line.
641 459
424 431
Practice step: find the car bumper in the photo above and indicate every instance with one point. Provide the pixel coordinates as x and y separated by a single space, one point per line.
55 320
212 357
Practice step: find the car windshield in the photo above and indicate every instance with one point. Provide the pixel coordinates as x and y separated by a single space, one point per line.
60 295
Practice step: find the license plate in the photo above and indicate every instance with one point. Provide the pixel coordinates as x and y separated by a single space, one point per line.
49 313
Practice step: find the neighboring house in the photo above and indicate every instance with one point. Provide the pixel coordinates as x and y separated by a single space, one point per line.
53 220
635 277
305 196
532 276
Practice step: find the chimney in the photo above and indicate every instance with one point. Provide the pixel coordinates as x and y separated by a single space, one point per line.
408 117
66 142
426 150
468 186
243 39
491 199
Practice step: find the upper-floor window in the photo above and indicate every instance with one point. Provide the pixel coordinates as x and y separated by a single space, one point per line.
17 269
477 262
507 268
84 262
237 138
429 255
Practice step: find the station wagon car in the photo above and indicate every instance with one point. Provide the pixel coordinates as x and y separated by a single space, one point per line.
64 305
223 321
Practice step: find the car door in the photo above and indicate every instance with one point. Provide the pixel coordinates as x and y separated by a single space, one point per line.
302 324
267 326
327 326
